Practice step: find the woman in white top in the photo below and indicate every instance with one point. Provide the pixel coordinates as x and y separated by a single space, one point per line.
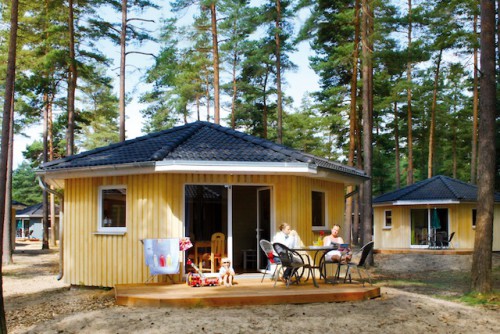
286 236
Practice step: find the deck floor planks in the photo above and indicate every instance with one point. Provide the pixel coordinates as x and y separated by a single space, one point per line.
245 292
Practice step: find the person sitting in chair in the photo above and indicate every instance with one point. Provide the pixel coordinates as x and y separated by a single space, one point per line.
336 255
289 238
226 272
286 236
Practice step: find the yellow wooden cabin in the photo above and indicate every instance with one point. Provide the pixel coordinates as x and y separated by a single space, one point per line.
427 213
192 180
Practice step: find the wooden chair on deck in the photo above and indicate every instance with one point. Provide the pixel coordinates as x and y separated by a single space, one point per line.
217 250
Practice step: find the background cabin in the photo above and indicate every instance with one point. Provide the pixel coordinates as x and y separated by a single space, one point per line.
413 216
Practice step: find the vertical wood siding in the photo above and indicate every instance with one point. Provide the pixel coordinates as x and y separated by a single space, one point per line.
155 210
460 222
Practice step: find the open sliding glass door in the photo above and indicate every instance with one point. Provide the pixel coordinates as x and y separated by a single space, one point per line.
419 228
426 224
263 230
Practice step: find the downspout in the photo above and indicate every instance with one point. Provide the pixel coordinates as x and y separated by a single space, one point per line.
352 193
45 186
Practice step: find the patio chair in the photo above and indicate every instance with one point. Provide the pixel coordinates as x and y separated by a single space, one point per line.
441 239
217 250
162 257
365 250
324 261
291 262
448 243
267 248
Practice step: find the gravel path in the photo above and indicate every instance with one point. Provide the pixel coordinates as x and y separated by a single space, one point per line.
36 302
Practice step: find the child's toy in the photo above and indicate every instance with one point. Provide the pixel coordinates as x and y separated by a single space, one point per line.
199 278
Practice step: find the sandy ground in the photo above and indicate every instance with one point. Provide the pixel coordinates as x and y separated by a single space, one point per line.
36 302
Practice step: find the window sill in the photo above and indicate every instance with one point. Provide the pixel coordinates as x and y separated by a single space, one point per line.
109 233
320 228
387 228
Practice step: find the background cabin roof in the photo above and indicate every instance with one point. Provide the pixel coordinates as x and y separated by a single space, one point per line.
436 189
194 142
18 205
34 211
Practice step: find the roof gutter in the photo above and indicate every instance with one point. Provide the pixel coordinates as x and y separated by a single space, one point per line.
56 176
46 187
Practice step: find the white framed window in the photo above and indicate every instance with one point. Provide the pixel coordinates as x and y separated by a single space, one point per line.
388 219
318 209
112 213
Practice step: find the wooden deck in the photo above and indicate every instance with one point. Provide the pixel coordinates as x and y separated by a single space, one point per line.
246 291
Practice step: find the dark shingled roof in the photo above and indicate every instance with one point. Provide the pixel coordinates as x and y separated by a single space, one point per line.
197 141
35 210
437 188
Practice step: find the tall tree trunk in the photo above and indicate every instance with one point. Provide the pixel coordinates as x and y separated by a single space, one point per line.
475 103
45 202
207 94
352 123
409 175
123 60
432 130
52 211
264 107
483 241
278 72
396 143
72 79
454 148
198 107
4 147
215 50
358 209
8 241
367 30
235 92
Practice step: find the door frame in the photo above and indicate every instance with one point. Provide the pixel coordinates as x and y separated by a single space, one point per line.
258 223
229 237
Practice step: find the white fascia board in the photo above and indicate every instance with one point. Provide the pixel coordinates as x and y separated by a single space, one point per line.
235 167
56 177
427 202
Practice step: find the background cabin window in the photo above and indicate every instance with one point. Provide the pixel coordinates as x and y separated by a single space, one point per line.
474 217
388 218
318 209
112 209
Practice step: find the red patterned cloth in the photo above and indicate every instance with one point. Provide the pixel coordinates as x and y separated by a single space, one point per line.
185 244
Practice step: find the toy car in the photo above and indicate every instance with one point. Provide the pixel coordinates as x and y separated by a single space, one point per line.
200 279
196 280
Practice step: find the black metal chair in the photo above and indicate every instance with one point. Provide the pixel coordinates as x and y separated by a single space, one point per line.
365 250
291 262
324 261
444 241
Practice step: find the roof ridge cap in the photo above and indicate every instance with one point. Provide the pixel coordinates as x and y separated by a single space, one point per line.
447 182
165 150
266 143
408 189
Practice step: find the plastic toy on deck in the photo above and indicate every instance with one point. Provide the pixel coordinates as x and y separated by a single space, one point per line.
199 278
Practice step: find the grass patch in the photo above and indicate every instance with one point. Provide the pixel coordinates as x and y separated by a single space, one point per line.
447 285
479 299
